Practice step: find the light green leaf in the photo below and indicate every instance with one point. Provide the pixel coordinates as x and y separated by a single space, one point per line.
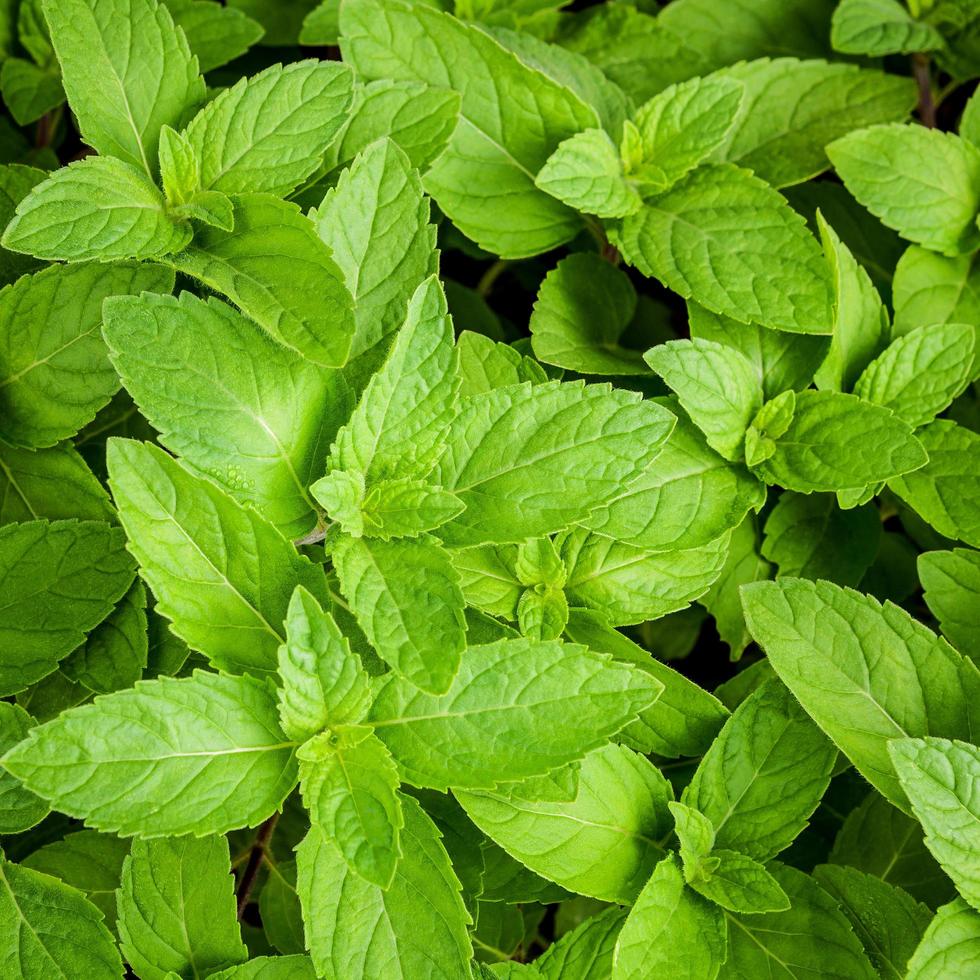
716 386
922 182
30 91
200 755
687 497
177 908
682 721
670 931
880 27
542 612
294 967
603 842
582 309
20 809
180 172
866 673
527 460
792 109
586 173
516 708
739 884
228 602
584 953
630 585
280 274
323 682
376 224
269 132
951 580
60 579
215 34
349 784
484 180
485 364
942 780
920 373
416 930
406 507
127 71
49 929
950 946
406 597
763 775
729 241
931 288
98 208
839 442
696 837
946 491
54 368
488 579
270 413
887 920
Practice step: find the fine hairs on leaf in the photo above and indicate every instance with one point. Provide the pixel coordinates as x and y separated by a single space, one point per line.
489 490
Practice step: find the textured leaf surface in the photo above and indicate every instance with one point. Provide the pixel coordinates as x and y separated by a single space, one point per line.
951 580
880 27
950 946
20 809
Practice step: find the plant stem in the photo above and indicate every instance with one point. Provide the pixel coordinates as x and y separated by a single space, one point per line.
485 286
927 106
259 847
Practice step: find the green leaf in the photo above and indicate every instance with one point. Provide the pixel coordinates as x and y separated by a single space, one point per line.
931 288
269 132
682 126
670 931
812 938
98 208
405 595
587 174
127 71
484 180
866 673
274 267
16 182
60 579
603 842
397 429
349 784
950 946
49 929
763 775
715 385
280 910
631 585
951 580
887 920
942 780
583 307
180 172
840 442
584 953
515 709
485 365
227 602
945 492
295 967
696 837
809 536
215 34
270 413
407 507
729 241
792 109
200 755
20 809
742 885
923 183
376 224
54 368
682 721
920 373
323 683
574 445
416 930
30 91
177 908
880 27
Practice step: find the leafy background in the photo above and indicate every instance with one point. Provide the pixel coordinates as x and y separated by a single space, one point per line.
489 489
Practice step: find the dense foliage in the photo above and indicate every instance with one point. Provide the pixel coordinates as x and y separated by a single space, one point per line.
489 489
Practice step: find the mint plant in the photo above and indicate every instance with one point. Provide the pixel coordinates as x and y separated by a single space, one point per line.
489 490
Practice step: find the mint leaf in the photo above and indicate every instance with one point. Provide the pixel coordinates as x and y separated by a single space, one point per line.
586 949
215 34
880 27
866 673
177 907
229 603
147 761
485 365
293 111
951 580
952 942
603 842
127 70
293 967
933 288
556 701
99 208
20 809
740 884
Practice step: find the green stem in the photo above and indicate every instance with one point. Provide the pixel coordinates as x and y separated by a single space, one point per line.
259 848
